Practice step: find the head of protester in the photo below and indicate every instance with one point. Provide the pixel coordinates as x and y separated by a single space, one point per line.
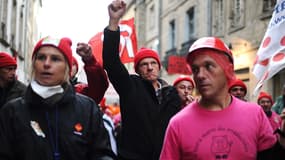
147 65
10 87
51 114
211 62
238 89
52 61
265 101
185 87
8 66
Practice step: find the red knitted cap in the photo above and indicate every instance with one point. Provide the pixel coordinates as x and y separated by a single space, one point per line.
265 95
63 45
7 60
145 53
183 78
238 82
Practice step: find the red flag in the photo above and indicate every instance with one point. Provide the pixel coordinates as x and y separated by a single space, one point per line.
128 42
96 43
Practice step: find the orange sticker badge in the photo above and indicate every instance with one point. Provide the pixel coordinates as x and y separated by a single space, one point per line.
78 128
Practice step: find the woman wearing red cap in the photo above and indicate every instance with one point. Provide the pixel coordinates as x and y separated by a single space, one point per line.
51 121
184 86
10 87
238 89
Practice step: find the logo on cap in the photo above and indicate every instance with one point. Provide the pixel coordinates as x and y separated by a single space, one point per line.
51 41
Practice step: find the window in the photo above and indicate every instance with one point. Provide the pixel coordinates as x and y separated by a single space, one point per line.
21 33
268 5
152 17
1 10
14 24
172 35
190 24
218 17
237 14
3 19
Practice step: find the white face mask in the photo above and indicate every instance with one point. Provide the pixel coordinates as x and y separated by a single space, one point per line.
45 91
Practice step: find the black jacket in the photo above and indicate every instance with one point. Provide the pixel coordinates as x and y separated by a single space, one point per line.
13 90
72 126
144 116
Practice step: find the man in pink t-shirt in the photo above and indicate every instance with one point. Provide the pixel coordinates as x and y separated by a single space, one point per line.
218 125
265 101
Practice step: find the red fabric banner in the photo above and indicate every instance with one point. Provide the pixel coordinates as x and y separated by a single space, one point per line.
178 65
128 42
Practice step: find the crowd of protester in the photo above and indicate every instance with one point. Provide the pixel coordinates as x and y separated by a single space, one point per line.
203 116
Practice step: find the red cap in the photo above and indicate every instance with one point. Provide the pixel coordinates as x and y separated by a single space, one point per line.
238 82
63 44
103 104
212 43
265 95
7 60
145 53
183 78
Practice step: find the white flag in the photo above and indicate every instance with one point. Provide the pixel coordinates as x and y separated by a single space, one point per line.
270 58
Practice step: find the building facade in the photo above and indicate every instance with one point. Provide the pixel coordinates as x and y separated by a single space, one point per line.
171 26
18 19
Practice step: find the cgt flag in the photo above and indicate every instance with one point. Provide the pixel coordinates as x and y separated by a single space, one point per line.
270 57
128 42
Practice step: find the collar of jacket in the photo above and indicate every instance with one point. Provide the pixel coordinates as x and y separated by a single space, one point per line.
34 100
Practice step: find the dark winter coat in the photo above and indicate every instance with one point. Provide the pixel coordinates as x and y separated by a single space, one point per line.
14 90
144 115
71 126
